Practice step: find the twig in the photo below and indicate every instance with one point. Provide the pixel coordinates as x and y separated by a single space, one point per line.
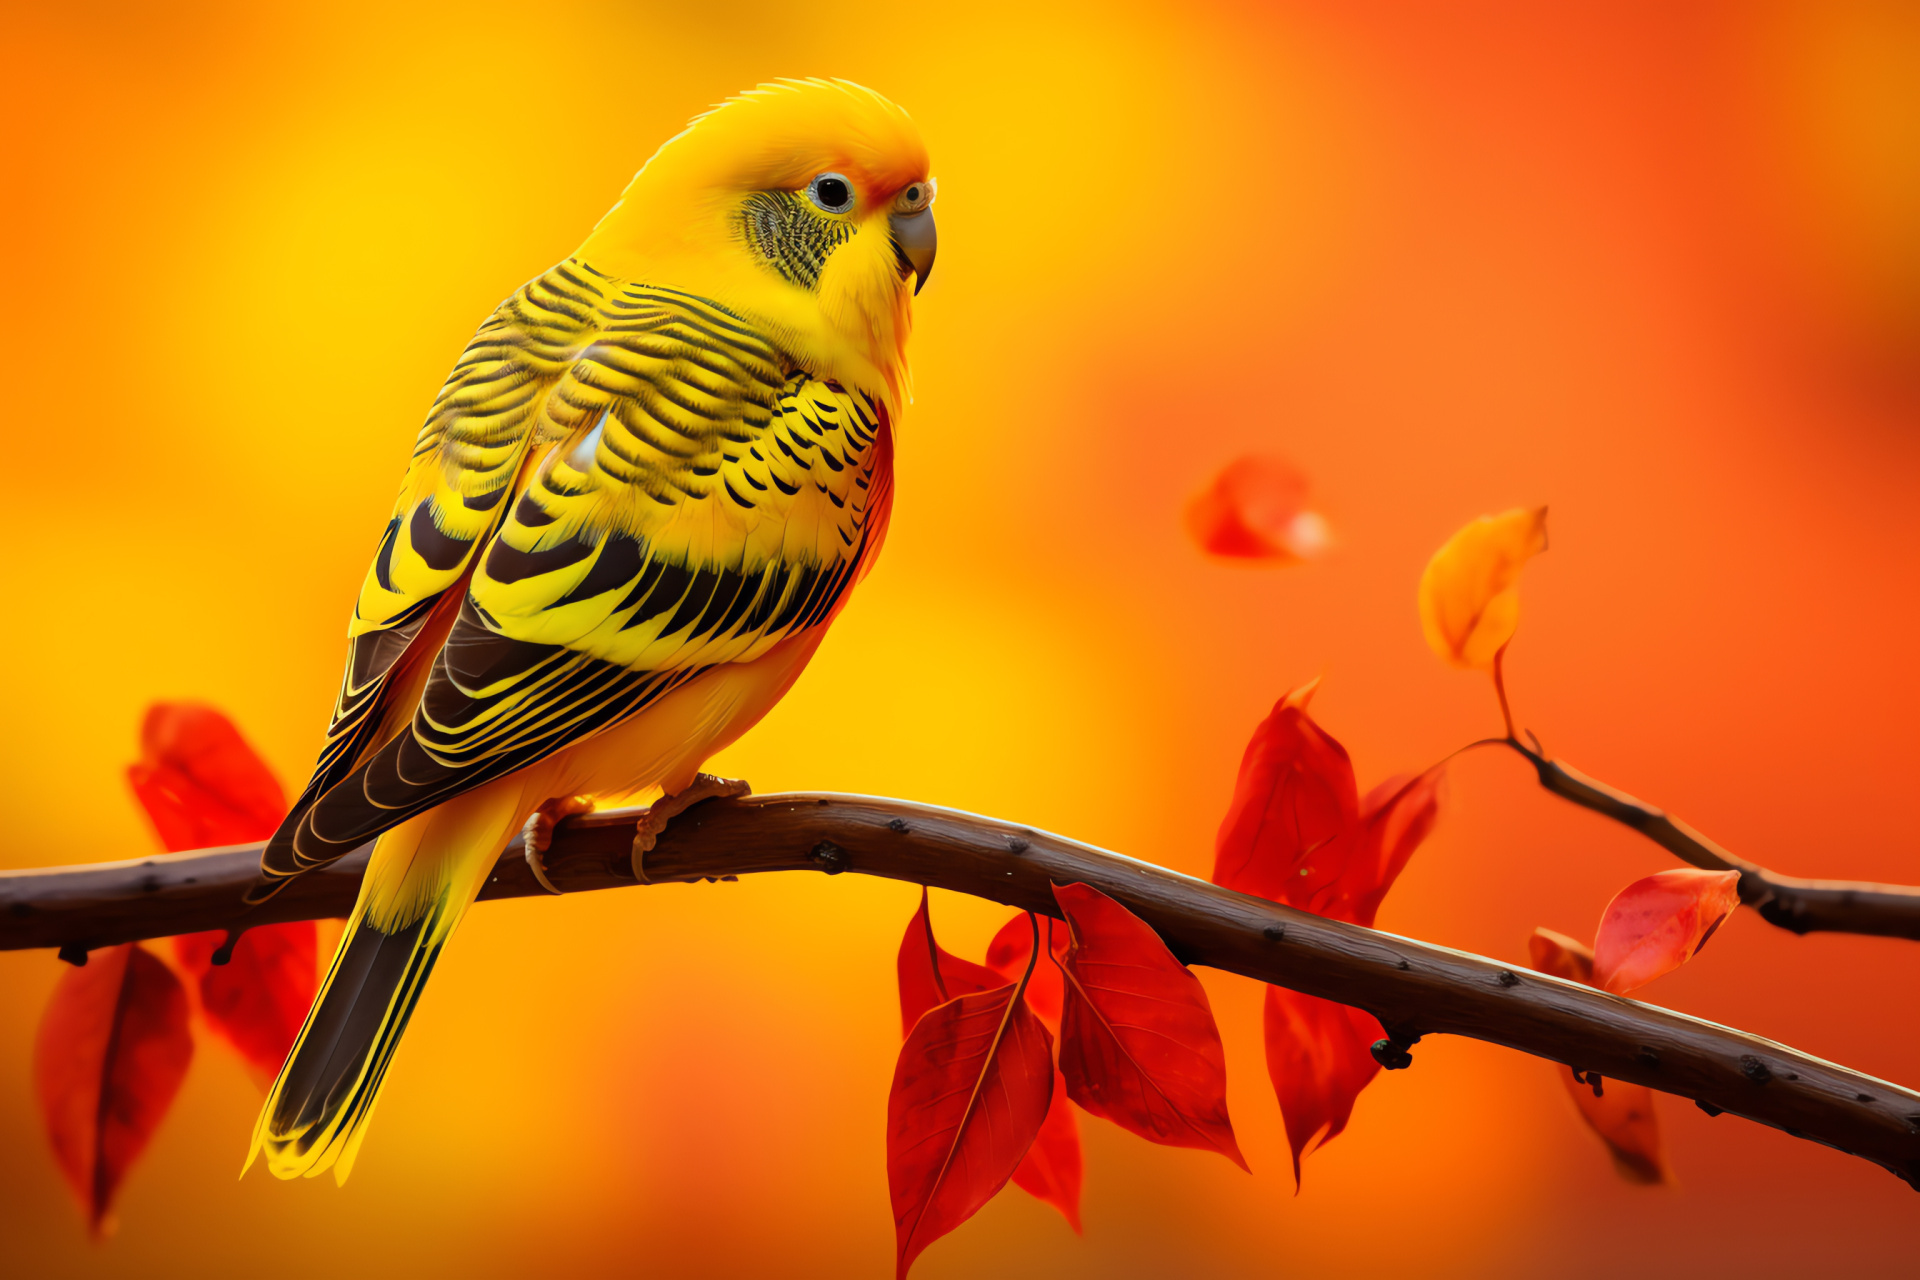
1414 988
1500 687
1801 906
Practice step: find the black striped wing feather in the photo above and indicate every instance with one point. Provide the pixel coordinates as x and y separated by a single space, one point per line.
705 501
464 462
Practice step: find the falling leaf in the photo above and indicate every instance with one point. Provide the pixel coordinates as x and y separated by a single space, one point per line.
925 983
1054 1167
1319 1057
970 1093
1294 833
1294 807
1255 509
112 1049
1138 1044
1655 925
258 999
1470 592
1621 1114
202 784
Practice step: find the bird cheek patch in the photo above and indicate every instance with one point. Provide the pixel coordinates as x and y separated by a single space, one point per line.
789 237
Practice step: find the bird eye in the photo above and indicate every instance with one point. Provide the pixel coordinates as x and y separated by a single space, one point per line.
831 192
915 196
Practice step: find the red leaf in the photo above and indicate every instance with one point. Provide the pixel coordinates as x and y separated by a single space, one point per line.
1319 1057
1007 956
112 1049
199 780
970 1092
1395 819
1051 1169
922 984
259 998
202 785
1138 1045
1053 1165
1295 809
1655 925
1621 1114
1255 509
1296 833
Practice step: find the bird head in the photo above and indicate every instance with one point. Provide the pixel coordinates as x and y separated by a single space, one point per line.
802 205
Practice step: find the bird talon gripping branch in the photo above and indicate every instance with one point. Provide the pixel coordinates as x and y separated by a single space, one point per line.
647 831
537 834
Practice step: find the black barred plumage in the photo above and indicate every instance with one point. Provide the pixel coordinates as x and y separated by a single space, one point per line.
790 235
599 589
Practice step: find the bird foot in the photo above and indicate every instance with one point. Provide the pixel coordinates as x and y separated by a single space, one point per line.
537 834
664 810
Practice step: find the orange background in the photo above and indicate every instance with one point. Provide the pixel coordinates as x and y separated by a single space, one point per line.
1656 265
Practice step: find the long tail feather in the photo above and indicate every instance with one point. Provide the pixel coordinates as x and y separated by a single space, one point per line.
422 877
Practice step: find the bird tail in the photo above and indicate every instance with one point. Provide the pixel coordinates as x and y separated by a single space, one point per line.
420 880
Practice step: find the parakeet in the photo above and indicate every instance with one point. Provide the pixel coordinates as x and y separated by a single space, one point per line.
639 501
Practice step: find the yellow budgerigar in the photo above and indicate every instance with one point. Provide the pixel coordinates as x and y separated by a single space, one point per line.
644 493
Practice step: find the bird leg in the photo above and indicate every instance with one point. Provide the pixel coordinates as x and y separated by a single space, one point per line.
537 834
664 810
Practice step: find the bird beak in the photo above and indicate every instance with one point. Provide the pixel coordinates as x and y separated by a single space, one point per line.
914 242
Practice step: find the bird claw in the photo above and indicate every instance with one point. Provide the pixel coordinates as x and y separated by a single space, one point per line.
537 834
705 786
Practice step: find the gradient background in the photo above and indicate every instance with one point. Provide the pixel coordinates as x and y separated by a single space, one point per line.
1656 265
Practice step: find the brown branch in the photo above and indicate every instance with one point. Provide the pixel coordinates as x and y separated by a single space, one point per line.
1801 906
1414 988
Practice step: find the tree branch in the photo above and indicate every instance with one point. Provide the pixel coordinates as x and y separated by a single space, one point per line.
1414 988
1801 906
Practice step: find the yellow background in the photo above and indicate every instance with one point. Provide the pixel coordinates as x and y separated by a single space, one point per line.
1654 265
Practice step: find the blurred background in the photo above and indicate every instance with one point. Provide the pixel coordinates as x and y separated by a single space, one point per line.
1655 265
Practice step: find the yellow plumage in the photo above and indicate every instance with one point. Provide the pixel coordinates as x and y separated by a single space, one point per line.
643 494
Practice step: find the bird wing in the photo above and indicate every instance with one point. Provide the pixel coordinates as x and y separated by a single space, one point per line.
705 502
474 444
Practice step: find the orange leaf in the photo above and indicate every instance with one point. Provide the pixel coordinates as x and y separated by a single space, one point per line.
1559 956
200 782
925 981
1138 1044
970 1093
112 1049
1319 1057
1655 925
1295 809
1255 509
1053 1167
1621 1114
259 998
1470 592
